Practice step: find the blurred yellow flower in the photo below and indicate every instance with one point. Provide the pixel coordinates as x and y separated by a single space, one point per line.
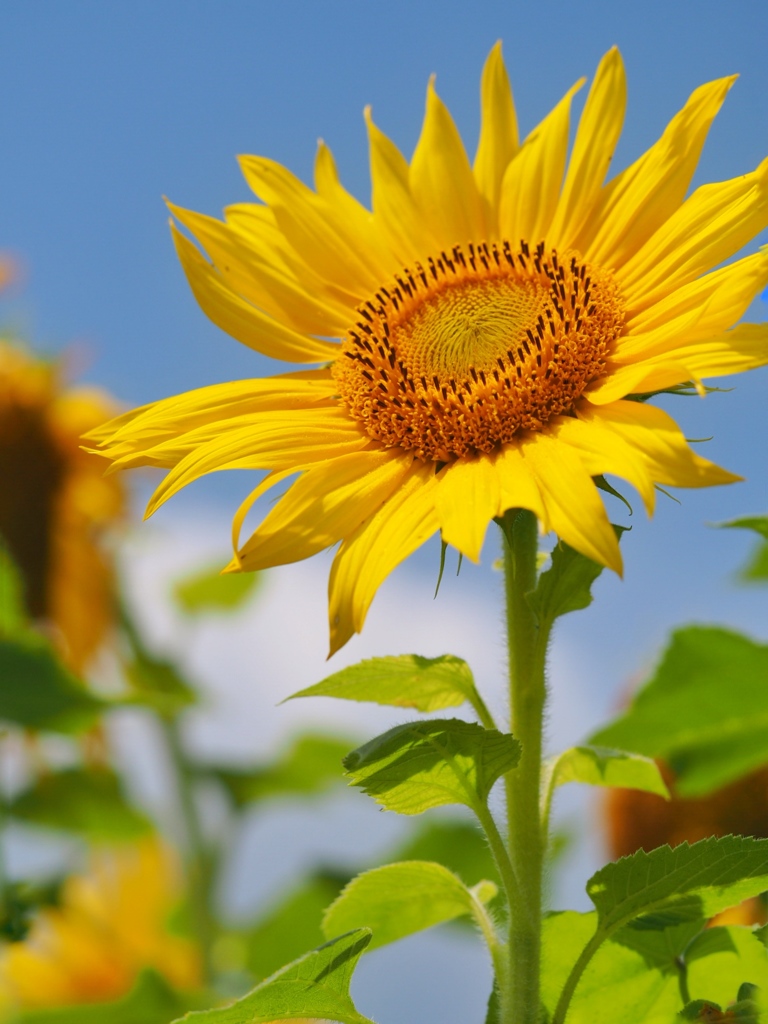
111 923
484 331
54 499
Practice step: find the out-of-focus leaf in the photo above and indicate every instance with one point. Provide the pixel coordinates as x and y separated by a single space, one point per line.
687 883
459 845
38 692
425 764
756 569
87 801
291 925
207 590
603 766
759 524
12 614
399 899
158 684
314 986
310 764
151 1001
404 681
705 710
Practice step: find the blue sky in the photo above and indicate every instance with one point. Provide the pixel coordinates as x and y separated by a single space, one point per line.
108 106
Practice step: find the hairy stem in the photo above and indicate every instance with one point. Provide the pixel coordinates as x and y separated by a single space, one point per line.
520 1002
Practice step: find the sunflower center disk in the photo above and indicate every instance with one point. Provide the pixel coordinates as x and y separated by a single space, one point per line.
457 356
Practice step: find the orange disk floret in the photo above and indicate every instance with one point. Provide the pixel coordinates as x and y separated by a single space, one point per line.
455 357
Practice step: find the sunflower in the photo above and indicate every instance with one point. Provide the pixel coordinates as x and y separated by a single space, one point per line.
55 500
483 334
109 924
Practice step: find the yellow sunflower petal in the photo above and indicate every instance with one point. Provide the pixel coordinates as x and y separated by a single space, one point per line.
518 487
655 434
573 506
710 226
250 325
704 307
743 348
640 199
378 546
279 440
598 133
498 134
602 450
532 182
394 207
441 179
327 503
466 499
307 222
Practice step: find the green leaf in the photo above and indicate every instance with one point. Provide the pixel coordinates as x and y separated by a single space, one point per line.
567 585
291 924
405 681
315 986
400 899
757 523
756 569
425 764
687 883
88 801
705 710
310 764
158 684
207 590
151 1001
603 766
38 692
13 616
719 964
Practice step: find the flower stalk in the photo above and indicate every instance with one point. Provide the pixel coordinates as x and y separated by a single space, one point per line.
527 644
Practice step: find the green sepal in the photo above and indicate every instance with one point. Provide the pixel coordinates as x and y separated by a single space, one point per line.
400 899
208 590
87 801
681 714
309 764
404 681
315 986
37 691
426 764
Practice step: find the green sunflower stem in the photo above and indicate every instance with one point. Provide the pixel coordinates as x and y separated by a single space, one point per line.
520 1003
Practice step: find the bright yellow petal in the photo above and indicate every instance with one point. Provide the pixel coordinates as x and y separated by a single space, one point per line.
181 423
466 499
306 220
532 182
498 135
598 133
643 197
378 546
441 179
250 325
655 434
518 487
276 440
325 505
573 506
708 228
735 351
704 307
394 207
602 450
